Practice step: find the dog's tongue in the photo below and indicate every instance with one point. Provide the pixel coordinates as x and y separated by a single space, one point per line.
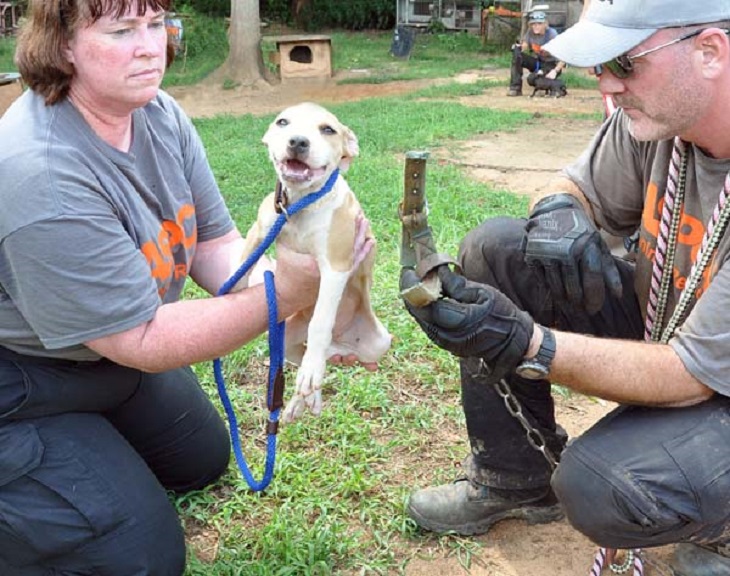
296 170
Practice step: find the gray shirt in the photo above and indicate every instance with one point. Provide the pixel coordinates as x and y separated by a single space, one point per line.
535 43
625 180
93 240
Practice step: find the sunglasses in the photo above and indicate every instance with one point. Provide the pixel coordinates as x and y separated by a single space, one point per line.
623 66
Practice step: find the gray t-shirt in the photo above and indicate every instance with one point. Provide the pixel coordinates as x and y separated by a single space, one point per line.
535 43
625 181
93 240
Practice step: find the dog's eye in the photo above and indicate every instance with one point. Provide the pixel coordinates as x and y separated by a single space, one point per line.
281 122
327 130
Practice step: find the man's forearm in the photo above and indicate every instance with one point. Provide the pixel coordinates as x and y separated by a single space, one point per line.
628 372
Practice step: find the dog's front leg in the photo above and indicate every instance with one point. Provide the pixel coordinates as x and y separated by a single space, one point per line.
308 391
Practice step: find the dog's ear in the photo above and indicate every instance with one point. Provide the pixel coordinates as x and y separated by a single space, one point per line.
350 148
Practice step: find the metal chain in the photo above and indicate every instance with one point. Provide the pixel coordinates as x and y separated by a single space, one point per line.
534 436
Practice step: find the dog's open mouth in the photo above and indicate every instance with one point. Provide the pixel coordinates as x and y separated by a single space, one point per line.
298 171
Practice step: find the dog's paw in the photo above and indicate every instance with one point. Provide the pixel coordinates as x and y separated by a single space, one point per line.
309 384
293 409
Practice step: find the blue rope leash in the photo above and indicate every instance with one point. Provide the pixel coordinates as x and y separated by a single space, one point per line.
275 393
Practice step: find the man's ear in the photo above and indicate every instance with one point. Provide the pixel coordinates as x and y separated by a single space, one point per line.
350 149
715 47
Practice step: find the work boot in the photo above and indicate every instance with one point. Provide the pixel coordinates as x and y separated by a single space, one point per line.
514 92
693 560
468 508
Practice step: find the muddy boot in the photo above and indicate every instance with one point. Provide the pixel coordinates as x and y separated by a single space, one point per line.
693 560
468 508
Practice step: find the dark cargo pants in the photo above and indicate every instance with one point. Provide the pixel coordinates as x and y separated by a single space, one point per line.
522 61
87 452
641 476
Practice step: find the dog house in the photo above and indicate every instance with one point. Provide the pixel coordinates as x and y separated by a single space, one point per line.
303 56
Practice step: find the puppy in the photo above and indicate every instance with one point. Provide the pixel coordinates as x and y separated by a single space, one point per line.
306 143
551 87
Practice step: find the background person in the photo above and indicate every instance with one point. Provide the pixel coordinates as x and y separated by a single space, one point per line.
108 206
542 300
530 54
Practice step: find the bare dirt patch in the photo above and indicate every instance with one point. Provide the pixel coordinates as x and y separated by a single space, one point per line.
521 161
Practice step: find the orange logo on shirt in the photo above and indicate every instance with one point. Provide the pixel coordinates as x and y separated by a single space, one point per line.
160 252
690 233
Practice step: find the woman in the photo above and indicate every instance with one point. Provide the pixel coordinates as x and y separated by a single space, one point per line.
108 205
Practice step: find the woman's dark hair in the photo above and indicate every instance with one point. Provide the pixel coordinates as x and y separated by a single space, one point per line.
44 36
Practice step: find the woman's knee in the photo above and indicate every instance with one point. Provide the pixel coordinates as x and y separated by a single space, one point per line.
152 545
115 513
177 430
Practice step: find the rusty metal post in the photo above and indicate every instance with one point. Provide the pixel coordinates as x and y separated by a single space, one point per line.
418 250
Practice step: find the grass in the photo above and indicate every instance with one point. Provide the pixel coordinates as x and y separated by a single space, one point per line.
7 50
336 504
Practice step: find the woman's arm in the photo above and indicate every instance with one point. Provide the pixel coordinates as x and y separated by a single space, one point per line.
189 331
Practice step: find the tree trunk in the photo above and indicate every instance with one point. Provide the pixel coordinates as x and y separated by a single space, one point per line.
244 63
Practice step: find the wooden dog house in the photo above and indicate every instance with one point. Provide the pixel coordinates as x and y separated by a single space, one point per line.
303 56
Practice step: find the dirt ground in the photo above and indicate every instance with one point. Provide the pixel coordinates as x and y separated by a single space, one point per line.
555 138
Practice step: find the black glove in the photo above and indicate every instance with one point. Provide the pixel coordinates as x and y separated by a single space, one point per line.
566 247
473 320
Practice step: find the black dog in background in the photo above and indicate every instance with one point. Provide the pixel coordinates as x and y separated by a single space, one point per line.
551 87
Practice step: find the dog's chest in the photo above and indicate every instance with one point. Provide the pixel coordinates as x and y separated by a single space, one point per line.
308 231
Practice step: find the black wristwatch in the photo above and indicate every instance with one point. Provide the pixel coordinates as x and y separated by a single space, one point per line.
538 366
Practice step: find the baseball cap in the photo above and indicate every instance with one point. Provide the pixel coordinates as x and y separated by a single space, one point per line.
610 28
537 16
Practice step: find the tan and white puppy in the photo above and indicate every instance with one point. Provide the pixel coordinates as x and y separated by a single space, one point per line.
306 144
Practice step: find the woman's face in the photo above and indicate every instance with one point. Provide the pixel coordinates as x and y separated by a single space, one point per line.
118 62
538 28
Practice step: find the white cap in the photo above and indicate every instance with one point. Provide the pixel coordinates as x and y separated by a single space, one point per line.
610 28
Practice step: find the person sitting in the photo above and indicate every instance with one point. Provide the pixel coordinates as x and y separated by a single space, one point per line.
530 55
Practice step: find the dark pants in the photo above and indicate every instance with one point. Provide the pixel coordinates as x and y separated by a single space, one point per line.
522 61
87 452
640 477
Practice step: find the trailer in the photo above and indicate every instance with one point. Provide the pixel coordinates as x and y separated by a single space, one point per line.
476 15
457 15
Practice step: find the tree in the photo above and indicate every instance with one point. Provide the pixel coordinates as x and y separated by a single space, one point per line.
244 63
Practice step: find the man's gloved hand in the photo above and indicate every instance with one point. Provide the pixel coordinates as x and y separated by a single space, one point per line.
553 74
473 320
565 245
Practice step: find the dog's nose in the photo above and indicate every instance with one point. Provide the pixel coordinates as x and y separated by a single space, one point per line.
299 144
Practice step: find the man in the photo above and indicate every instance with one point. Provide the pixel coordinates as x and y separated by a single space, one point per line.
530 54
655 471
